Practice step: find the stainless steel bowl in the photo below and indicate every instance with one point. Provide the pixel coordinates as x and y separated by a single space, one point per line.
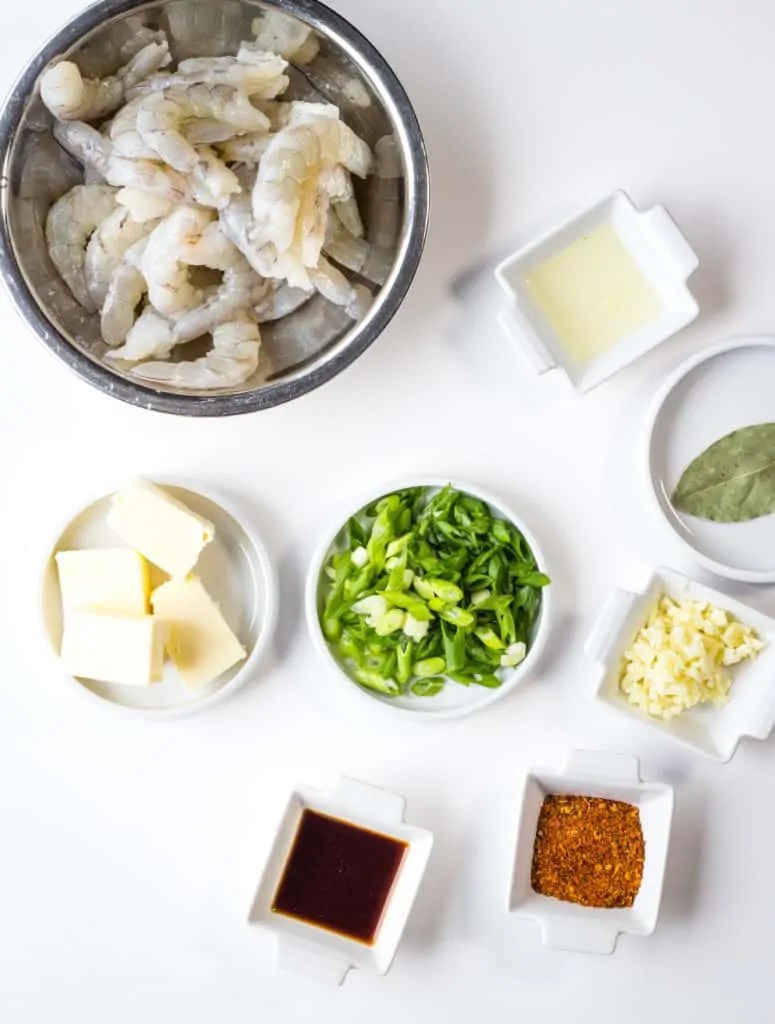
299 352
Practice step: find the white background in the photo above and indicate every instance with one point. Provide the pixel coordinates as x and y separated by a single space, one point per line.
129 851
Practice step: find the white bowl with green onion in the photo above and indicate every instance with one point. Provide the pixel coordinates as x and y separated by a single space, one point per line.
430 597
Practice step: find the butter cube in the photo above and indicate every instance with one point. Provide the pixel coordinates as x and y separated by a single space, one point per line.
160 527
114 648
200 642
103 579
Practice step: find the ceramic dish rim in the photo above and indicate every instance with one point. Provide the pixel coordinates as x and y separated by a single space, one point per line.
266 628
334 528
652 416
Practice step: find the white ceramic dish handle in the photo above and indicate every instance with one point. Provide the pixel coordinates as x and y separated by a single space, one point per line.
360 798
766 724
579 936
600 764
609 623
672 240
299 958
523 336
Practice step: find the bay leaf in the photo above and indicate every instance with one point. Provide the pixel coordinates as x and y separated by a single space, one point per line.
733 480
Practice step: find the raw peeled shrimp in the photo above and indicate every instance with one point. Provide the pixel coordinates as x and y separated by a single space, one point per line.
245 149
256 73
297 177
161 116
212 171
69 96
139 36
288 205
150 335
132 145
143 206
232 360
277 111
341 245
164 260
126 289
339 186
70 223
156 335
339 142
236 219
207 131
331 283
233 296
86 145
282 33
212 182
124 119
106 248
158 125
280 301
148 176
355 299
212 249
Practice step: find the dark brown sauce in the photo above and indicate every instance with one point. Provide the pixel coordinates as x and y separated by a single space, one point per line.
339 876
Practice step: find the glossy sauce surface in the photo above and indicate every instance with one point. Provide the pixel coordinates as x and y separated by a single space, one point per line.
339 876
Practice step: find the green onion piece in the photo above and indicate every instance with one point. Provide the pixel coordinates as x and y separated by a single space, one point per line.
374 681
429 667
404 663
428 687
490 639
457 616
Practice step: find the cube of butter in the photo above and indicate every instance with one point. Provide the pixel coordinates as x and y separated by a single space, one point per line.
200 642
114 648
103 579
160 527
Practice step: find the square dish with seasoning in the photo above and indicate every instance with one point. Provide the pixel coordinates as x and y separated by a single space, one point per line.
712 729
610 784
340 881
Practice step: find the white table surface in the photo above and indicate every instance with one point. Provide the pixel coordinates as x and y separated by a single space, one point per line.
129 851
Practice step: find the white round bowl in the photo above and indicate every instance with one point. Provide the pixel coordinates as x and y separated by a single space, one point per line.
727 386
236 570
454 701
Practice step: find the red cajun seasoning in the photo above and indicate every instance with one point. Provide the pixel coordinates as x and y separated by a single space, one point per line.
589 851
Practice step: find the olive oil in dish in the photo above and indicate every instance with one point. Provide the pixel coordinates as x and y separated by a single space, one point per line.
593 294
339 876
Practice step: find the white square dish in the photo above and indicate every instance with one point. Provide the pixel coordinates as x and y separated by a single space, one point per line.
313 950
570 926
661 253
713 731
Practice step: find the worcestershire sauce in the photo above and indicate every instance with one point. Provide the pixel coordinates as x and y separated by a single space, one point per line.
339 876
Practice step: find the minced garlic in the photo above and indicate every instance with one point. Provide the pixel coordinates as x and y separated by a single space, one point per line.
679 658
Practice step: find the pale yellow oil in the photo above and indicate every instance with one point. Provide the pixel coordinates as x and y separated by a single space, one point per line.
593 293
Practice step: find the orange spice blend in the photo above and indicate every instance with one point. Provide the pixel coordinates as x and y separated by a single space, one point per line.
589 851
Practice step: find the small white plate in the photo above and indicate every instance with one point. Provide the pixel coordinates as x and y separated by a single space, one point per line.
659 248
455 700
728 386
570 926
236 570
713 731
314 951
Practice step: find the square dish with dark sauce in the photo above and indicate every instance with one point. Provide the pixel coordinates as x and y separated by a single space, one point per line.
339 876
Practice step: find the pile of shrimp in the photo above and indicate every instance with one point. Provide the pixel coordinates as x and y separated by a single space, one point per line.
203 166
